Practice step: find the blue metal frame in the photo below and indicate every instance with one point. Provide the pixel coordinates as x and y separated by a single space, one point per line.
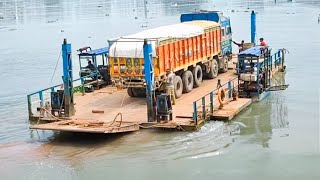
149 76
67 79
195 113
67 68
253 27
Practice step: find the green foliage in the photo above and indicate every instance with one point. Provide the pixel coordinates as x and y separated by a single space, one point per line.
77 89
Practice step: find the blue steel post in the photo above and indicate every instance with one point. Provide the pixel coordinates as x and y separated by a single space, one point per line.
195 117
67 79
253 27
149 76
41 98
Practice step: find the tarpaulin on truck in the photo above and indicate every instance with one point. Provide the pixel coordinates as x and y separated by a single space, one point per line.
132 46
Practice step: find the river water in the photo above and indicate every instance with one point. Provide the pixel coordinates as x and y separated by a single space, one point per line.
274 139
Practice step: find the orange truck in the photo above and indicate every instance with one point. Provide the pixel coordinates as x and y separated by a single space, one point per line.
193 50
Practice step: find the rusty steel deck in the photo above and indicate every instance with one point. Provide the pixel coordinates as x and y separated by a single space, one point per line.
109 102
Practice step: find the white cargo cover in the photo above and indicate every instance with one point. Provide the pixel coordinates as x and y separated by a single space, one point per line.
132 45
248 77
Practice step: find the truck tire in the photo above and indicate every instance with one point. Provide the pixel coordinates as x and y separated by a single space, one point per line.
224 67
143 92
197 76
178 86
187 79
213 69
130 92
139 92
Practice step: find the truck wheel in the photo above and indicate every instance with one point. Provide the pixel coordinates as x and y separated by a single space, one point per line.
213 69
224 64
139 92
143 92
130 92
178 86
197 76
187 79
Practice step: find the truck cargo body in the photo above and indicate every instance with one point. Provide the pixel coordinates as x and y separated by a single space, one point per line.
179 47
179 54
218 17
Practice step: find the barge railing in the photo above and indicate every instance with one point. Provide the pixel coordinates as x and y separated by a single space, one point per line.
205 105
43 95
277 59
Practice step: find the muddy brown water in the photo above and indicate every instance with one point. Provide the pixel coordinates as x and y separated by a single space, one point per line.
275 139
